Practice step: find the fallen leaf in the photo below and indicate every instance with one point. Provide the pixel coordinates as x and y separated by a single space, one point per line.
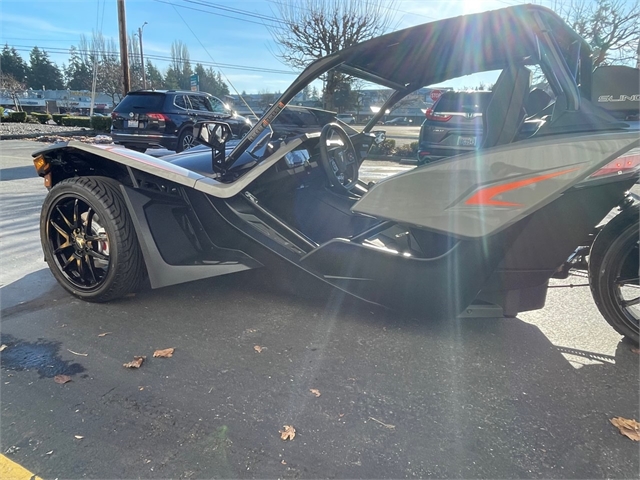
287 432
315 391
166 353
137 361
104 334
283 462
76 353
2 347
633 350
386 425
49 453
258 348
62 379
628 428
79 437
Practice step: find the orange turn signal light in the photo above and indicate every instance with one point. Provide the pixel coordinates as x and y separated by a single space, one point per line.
42 166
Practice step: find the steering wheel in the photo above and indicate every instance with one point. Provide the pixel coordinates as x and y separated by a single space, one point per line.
338 158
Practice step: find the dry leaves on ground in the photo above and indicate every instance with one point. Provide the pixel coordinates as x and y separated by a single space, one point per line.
62 379
137 361
386 425
315 391
633 350
2 347
166 353
79 437
628 428
104 334
76 353
258 348
287 432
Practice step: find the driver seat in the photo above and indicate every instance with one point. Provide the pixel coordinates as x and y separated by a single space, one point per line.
505 112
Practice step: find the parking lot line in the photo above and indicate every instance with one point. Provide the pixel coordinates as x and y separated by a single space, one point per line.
10 470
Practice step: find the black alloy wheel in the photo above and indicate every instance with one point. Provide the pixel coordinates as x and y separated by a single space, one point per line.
613 273
88 239
186 140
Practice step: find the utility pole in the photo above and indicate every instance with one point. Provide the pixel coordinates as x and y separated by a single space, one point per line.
144 76
124 55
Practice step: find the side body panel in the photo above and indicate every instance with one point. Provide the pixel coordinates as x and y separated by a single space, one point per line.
477 195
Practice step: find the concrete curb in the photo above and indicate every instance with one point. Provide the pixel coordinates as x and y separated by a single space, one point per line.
385 158
69 133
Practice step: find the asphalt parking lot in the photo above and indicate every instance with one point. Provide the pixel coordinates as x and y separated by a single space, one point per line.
399 397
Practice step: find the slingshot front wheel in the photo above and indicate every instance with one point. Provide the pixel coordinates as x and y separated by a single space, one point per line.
89 240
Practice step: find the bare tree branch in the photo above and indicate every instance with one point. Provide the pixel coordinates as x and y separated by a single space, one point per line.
312 29
611 27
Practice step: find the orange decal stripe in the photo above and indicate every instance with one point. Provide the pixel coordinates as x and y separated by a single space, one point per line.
486 195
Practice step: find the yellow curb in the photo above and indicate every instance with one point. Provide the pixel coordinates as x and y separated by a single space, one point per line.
10 470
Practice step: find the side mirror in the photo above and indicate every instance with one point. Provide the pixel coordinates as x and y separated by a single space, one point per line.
214 135
381 136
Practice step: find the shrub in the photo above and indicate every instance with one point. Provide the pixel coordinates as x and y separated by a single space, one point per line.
101 124
1 111
31 119
387 147
409 150
41 117
57 117
76 122
19 117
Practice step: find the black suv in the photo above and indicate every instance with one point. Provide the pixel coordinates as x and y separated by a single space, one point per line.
147 119
453 125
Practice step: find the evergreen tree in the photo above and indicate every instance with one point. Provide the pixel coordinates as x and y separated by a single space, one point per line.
79 73
211 82
154 76
12 64
42 72
172 79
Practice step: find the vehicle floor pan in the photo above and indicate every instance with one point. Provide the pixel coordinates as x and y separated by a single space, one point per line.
437 287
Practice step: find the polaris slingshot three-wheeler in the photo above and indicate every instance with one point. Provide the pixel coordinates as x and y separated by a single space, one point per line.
485 228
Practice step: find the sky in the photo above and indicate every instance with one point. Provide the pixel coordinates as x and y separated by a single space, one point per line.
232 35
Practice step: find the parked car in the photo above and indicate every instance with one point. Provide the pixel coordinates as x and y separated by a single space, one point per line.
347 118
477 233
153 118
453 125
399 121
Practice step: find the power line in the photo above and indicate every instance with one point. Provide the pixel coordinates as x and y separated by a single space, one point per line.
212 13
58 50
217 6
207 51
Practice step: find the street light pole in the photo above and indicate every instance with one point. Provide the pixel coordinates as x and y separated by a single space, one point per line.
144 76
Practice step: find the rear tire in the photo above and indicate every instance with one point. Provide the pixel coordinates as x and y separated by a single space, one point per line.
89 240
186 140
613 273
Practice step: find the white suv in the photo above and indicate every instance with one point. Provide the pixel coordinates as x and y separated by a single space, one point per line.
346 118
